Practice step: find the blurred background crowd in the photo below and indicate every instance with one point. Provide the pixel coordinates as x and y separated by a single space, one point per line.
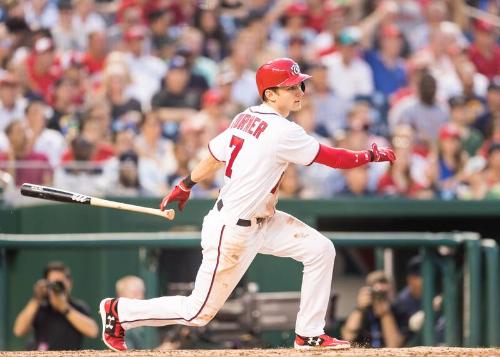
121 97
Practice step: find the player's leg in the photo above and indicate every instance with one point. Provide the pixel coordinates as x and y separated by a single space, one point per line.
287 236
227 254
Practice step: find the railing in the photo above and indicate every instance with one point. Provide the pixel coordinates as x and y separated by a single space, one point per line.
428 243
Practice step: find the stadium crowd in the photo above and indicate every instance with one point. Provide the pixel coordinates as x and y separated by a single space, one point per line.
121 97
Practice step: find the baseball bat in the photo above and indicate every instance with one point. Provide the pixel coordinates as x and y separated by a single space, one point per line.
54 194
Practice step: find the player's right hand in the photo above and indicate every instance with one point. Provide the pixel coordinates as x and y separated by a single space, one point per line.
179 193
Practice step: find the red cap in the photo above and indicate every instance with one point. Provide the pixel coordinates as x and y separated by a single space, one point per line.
135 33
280 72
296 9
449 131
390 30
211 97
484 26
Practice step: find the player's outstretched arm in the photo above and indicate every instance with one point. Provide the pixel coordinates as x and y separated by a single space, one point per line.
347 159
182 190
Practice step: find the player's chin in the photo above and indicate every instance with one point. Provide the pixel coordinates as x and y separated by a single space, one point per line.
296 106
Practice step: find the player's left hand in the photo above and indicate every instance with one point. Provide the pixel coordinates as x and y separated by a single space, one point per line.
179 193
382 154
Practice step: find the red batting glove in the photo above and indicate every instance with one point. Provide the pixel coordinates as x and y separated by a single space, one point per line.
179 193
382 154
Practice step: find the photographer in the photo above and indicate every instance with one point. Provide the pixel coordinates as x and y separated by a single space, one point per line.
59 321
373 322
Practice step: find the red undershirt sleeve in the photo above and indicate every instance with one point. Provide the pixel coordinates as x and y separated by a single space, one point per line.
341 158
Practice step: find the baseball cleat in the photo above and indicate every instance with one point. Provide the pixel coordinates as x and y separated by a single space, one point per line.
320 342
113 334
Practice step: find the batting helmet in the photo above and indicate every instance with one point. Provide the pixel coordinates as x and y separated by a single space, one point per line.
280 72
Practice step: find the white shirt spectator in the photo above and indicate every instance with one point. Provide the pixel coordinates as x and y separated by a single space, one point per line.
156 165
83 27
146 72
52 144
47 19
351 80
16 113
244 90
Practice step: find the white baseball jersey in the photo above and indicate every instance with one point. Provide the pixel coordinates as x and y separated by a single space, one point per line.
257 147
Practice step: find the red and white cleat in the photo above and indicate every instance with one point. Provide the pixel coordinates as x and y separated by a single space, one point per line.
113 334
320 342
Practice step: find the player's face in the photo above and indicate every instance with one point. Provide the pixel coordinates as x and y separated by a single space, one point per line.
289 99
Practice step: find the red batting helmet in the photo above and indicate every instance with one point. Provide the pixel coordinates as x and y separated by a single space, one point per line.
280 72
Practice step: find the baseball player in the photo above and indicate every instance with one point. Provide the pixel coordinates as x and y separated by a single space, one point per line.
253 152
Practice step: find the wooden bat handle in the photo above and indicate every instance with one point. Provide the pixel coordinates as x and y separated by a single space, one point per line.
168 214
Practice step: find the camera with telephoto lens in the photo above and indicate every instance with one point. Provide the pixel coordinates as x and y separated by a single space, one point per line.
57 287
378 294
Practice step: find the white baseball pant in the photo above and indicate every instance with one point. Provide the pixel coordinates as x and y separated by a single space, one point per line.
228 251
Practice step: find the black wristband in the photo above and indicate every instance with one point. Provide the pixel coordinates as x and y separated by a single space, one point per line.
188 182
372 155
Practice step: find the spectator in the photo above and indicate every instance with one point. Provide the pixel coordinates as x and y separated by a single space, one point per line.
64 34
133 287
373 322
43 68
215 40
59 320
422 112
94 57
63 117
450 161
290 185
146 71
40 14
162 39
85 21
40 139
12 103
329 109
125 109
472 139
484 51
23 164
348 75
492 171
486 121
156 156
408 306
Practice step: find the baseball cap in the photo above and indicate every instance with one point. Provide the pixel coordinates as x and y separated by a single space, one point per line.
484 26
413 266
178 62
43 44
297 9
390 30
211 97
350 36
136 32
449 131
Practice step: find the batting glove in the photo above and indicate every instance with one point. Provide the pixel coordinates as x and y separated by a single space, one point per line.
179 193
382 154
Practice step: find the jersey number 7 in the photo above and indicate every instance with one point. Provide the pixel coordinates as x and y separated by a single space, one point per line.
237 143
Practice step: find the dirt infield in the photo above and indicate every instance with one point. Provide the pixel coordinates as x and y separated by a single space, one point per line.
355 352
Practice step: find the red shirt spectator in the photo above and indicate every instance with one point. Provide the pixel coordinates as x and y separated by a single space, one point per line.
43 68
484 52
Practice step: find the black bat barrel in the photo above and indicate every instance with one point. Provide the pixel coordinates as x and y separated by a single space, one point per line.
49 193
